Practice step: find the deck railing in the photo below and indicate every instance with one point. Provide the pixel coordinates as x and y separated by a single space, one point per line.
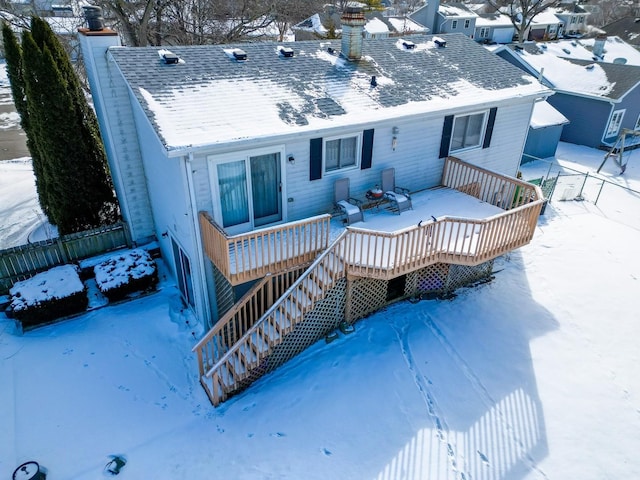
499 190
447 240
252 255
242 316
240 362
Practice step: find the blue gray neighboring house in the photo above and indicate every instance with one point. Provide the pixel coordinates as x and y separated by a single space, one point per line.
598 98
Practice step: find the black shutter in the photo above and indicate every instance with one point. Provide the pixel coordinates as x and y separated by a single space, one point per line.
446 136
489 131
367 149
315 159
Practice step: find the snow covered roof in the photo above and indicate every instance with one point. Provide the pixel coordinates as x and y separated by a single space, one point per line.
456 10
210 98
311 24
545 18
494 20
580 76
615 48
544 115
405 25
375 25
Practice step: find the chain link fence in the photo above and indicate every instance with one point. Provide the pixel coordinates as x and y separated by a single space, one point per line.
614 199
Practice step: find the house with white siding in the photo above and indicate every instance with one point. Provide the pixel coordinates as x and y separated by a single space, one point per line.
231 157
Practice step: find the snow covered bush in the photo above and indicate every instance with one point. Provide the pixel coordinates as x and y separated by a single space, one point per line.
125 273
56 293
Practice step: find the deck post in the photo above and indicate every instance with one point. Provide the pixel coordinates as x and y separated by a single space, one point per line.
347 299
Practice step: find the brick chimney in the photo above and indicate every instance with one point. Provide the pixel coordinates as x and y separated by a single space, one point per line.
353 22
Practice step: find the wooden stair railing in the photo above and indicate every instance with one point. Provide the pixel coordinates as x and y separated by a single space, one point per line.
242 316
245 361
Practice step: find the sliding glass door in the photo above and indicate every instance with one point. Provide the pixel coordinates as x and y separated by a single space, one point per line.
249 191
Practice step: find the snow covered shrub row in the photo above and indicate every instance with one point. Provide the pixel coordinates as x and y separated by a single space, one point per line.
56 293
126 273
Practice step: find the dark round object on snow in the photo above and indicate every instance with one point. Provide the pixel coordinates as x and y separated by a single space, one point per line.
29 471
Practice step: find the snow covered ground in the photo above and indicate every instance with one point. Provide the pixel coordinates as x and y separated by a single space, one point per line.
532 376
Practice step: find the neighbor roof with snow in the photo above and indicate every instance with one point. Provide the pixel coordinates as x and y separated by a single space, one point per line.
456 10
603 80
209 97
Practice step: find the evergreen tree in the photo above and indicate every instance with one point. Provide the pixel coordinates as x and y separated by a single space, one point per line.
13 56
65 136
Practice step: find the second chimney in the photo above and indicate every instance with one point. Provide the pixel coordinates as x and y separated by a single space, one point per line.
353 22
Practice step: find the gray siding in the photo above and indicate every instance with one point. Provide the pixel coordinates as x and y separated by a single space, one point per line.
630 103
542 142
588 118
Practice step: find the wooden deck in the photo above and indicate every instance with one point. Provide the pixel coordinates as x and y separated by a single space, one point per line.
473 217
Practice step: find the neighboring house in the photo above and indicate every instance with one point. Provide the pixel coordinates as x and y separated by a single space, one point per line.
328 25
627 28
574 18
446 18
544 132
228 156
456 18
598 98
494 28
545 26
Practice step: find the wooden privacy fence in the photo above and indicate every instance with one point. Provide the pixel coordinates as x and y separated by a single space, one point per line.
24 261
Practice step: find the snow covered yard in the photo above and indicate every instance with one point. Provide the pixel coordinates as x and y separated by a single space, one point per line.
532 376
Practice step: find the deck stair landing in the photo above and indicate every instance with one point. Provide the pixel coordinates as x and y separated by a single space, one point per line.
236 351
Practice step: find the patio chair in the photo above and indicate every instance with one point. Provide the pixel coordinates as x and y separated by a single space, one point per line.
398 197
350 208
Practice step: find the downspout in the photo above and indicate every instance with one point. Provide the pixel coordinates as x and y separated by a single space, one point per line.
195 230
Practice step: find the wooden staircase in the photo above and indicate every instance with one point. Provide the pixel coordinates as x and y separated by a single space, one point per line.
239 348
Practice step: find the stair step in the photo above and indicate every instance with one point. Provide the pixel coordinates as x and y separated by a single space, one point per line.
248 352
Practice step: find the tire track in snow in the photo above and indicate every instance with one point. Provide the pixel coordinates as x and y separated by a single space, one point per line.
482 391
422 383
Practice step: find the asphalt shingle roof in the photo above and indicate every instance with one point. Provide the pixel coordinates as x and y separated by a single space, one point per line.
211 98
614 81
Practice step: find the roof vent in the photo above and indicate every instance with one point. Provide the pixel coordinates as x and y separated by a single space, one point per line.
285 51
168 57
374 82
574 43
332 51
620 60
589 67
543 46
239 54
566 50
408 44
439 42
